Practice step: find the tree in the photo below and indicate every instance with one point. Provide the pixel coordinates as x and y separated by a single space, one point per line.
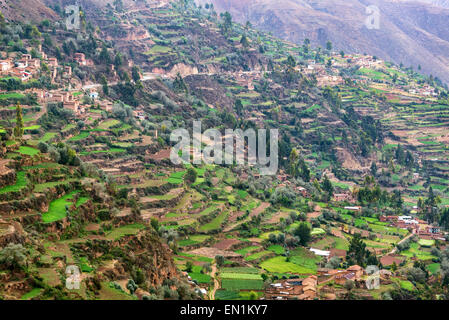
131 286
179 84
327 186
226 26
244 41
18 130
373 168
358 254
135 73
329 46
155 224
189 266
303 232
13 256
104 55
238 106
104 83
220 260
118 60
190 176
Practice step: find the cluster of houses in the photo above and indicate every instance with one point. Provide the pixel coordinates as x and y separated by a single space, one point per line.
354 273
308 288
26 67
417 226
284 182
23 68
293 289
425 90
367 62
344 197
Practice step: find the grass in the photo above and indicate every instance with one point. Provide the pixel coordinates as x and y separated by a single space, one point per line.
257 255
235 275
278 249
108 292
105 125
56 210
241 284
215 223
247 250
81 201
223 294
129 229
21 182
426 243
241 270
280 265
47 136
44 186
158 49
433 268
420 254
81 136
32 294
176 177
200 277
407 285
12 95
28 151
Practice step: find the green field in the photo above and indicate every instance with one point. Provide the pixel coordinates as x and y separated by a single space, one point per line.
215 223
21 182
56 210
28 151
241 284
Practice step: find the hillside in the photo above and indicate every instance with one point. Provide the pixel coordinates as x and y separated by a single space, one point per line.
86 178
412 33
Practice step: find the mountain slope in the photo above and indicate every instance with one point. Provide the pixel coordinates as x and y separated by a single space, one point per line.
413 33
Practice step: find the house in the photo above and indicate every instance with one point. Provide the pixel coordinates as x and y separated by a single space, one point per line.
5 66
80 58
302 191
93 95
36 63
53 62
388 218
356 208
340 197
72 105
353 273
302 289
139 114
67 71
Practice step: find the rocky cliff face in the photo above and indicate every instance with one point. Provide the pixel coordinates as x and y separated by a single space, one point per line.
412 32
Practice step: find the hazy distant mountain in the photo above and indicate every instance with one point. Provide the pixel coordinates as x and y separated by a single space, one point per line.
438 3
414 32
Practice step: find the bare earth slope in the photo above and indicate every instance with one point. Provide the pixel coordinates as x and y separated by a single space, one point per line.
412 32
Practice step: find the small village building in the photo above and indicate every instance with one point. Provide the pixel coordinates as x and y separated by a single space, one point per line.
340 197
80 58
5 66
53 62
93 95
356 208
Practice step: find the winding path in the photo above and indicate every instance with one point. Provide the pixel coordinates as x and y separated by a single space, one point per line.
216 282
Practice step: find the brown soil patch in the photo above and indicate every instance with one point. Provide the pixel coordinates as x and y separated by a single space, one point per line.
226 244
259 209
213 252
